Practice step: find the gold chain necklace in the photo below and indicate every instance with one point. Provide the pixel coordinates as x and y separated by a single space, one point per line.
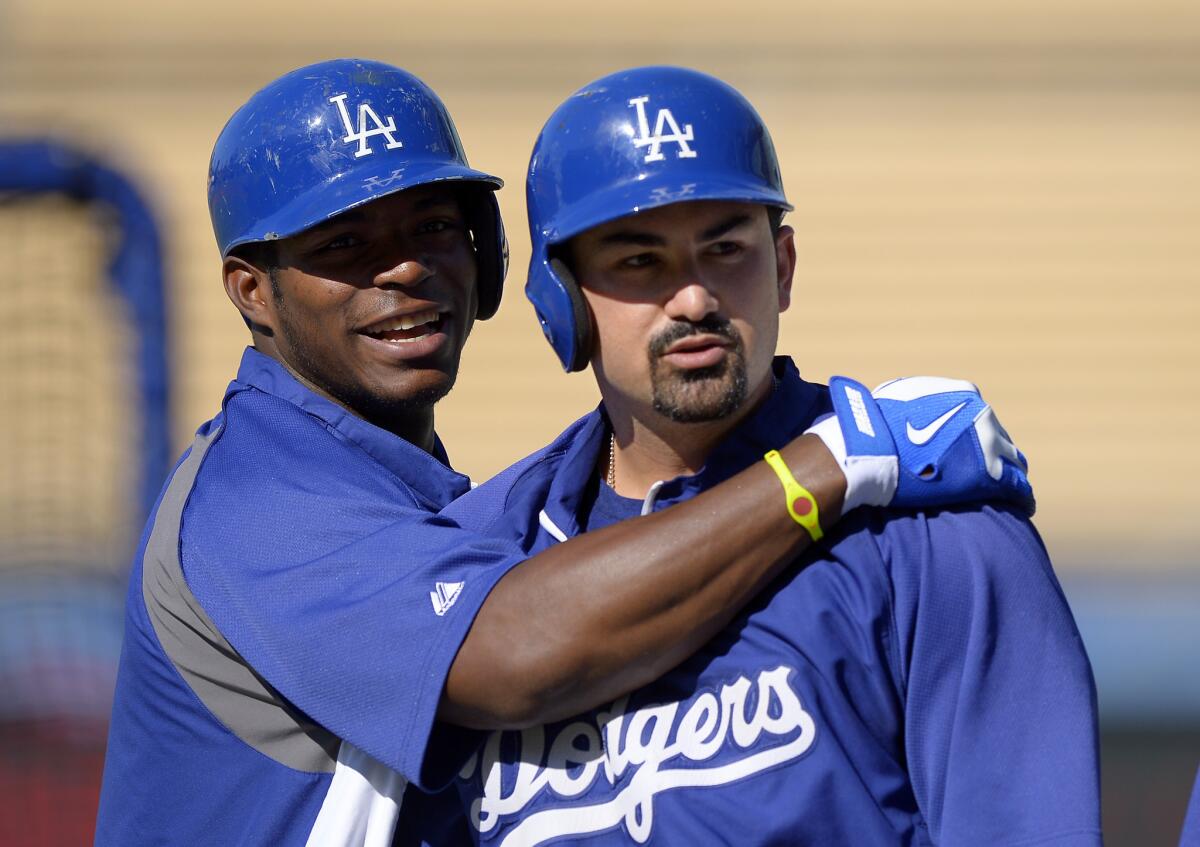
612 460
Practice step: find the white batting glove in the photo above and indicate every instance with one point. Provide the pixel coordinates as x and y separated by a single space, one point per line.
921 441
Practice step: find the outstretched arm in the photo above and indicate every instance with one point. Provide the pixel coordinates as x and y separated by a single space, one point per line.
609 611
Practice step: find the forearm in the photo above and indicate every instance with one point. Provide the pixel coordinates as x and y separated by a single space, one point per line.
604 613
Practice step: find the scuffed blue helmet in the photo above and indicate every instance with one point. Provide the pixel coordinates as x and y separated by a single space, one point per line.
331 136
632 141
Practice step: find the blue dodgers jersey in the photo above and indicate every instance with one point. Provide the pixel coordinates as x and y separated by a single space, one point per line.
917 678
293 610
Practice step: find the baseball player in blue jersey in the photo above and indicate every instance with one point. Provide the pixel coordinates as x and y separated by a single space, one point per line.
302 622
916 678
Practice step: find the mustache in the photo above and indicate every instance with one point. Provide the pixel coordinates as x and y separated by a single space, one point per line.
709 325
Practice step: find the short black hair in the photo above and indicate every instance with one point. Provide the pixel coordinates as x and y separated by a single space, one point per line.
264 255
775 218
261 254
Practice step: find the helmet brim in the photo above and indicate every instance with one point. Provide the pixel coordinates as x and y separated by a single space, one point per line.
312 207
631 198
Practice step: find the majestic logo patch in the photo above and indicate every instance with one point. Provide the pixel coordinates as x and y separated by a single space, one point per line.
617 763
363 134
655 142
444 595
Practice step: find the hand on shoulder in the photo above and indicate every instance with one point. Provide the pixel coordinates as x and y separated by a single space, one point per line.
922 441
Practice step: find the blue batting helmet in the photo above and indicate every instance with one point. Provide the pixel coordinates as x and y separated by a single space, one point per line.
334 135
632 141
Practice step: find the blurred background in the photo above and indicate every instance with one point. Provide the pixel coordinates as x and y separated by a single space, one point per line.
1004 191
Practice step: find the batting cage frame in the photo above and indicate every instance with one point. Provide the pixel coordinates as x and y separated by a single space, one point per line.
61 626
135 272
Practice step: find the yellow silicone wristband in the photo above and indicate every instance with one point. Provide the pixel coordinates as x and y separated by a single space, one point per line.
809 517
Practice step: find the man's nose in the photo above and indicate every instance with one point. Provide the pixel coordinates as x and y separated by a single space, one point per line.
404 272
692 301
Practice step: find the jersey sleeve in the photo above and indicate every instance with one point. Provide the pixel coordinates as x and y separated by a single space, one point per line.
336 585
1000 705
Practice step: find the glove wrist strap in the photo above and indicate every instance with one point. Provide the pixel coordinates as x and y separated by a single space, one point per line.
870 480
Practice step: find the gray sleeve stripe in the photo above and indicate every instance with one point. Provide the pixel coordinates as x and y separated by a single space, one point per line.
242 700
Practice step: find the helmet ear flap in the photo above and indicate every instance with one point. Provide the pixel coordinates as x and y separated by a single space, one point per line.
491 250
562 312
581 315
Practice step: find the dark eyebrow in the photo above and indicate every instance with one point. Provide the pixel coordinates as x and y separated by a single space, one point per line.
433 201
730 223
350 217
646 239
640 239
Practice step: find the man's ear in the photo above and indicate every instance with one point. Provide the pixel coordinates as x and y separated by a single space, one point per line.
249 289
785 264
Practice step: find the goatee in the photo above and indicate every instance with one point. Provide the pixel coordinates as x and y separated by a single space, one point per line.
701 394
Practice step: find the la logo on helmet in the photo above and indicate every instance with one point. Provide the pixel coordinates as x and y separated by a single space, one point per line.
365 113
655 142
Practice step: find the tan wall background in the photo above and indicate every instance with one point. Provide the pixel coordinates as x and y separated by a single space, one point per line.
1006 191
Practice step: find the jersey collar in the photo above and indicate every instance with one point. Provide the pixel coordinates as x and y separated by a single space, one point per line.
428 475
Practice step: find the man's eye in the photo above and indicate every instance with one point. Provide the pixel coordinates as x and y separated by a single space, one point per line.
341 242
439 225
725 248
641 260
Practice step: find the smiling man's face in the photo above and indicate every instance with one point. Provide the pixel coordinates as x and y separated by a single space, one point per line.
372 308
686 300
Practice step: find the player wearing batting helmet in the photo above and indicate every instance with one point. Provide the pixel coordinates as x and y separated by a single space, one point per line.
917 678
300 615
